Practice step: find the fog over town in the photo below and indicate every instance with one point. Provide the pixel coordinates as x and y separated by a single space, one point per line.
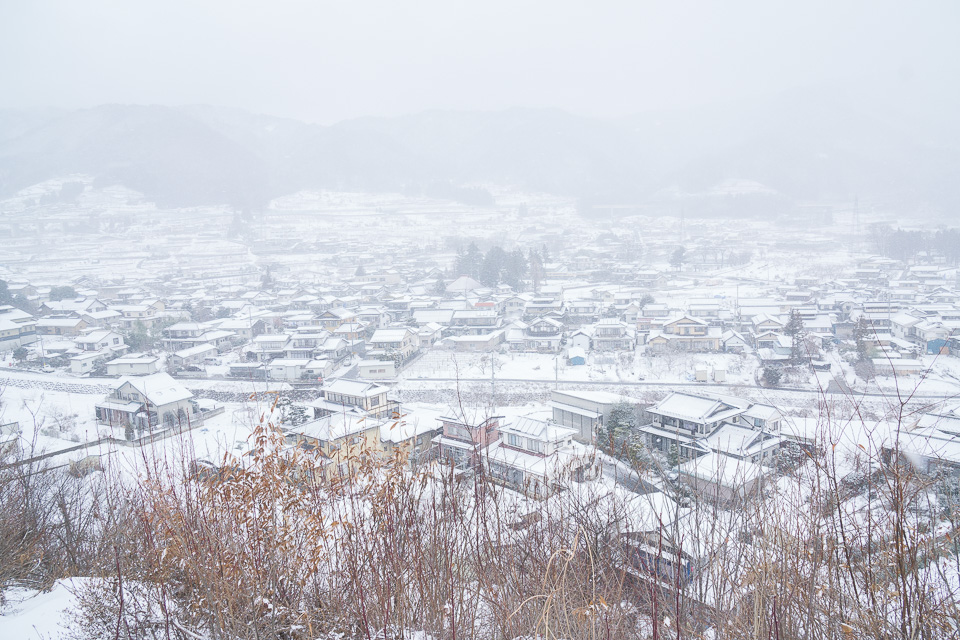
499 321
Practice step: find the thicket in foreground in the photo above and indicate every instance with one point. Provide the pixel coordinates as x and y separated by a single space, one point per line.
266 548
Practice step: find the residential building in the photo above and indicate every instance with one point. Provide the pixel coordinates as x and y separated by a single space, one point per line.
462 444
148 403
354 396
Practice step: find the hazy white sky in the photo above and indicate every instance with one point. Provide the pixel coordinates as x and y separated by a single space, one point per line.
325 61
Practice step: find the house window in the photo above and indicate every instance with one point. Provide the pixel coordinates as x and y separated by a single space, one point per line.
514 440
457 431
535 445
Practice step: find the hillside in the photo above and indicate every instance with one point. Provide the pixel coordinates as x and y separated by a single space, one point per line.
798 148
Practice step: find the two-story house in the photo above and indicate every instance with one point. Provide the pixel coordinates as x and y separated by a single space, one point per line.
338 440
583 411
269 346
475 321
462 444
333 318
354 396
543 335
95 346
101 340
244 328
685 334
145 313
613 334
181 335
148 403
413 439
692 425
17 328
535 456
402 342
304 344
681 419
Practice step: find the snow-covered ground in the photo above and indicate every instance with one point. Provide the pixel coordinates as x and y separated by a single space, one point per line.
600 367
33 615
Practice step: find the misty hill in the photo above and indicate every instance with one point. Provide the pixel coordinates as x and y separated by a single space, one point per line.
167 154
799 148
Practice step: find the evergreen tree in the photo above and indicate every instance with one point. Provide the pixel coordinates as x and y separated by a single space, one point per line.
493 266
516 269
21 302
861 332
677 259
536 268
470 262
673 456
772 376
794 329
62 293
617 429
297 414
284 405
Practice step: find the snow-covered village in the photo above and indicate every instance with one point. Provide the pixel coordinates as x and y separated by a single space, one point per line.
497 362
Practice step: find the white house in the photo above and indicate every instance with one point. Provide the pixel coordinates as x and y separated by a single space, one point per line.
148 403
133 364
100 340
583 411
193 356
535 456
402 341
377 369
289 369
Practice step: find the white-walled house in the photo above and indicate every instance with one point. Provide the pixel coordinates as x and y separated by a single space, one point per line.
722 478
289 369
133 364
377 369
193 356
583 411
535 456
148 403
101 340
402 341
354 396
17 328
85 362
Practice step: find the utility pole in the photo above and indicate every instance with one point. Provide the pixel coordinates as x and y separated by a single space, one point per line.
738 306
681 224
856 223
556 371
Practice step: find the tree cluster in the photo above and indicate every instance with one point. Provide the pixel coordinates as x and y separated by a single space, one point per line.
63 292
906 245
495 267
